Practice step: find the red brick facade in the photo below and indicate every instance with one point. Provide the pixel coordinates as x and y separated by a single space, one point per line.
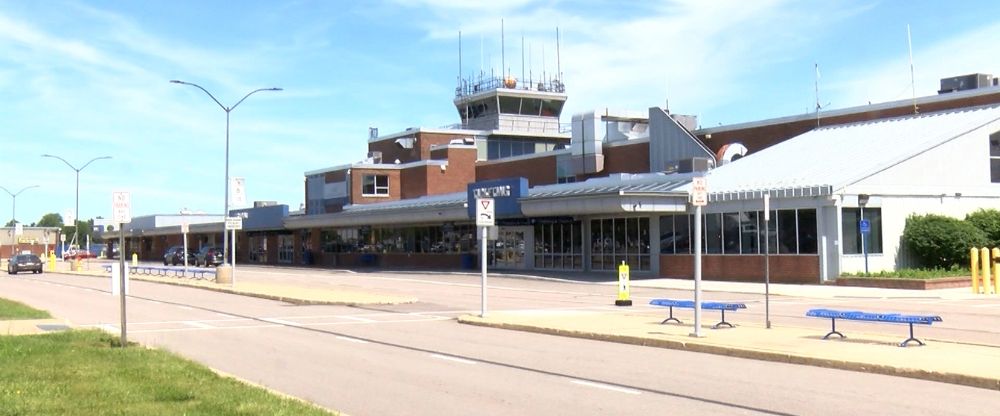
743 268
538 170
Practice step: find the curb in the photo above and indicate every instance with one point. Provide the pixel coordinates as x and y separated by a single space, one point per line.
694 346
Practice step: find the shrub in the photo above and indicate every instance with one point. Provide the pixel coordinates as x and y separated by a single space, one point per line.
987 220
940 241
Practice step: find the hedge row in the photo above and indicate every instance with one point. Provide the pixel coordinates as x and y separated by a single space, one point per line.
940 241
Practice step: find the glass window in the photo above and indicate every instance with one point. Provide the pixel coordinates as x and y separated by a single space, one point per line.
807 231
851 224
667 236
748 230
713 233
995 157
731 233
787 232
620 240
510 105
772 232
375 185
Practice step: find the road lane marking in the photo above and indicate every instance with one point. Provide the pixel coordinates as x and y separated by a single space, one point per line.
455 359
987 305
359 341
197 324
356 318
225 315
606 387
280 321
187 308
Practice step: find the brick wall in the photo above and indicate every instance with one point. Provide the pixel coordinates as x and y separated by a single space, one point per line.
783 269
538 170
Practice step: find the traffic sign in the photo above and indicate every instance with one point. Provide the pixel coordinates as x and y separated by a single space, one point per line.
234 223
121 207
185 228
699 191
18 228
865 226
485 212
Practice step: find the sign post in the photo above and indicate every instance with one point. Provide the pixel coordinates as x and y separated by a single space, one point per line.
767 261
699 198
485 217
233 224
184 232
121 214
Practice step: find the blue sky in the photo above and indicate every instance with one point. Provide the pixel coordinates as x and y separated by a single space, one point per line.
87 79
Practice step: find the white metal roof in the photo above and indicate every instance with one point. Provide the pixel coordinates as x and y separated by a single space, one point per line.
837 156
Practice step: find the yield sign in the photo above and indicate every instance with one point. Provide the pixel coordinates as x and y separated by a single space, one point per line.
485 212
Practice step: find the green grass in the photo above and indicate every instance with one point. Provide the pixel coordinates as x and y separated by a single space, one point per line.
82 373
10 310
922 274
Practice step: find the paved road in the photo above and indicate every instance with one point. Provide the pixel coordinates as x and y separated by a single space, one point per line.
414 359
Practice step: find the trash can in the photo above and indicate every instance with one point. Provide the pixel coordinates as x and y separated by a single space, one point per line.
224 274
75 265
468 261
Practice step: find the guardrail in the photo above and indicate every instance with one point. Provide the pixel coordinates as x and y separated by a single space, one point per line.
983 261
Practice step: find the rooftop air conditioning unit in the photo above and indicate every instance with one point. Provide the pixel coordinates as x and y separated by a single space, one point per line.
375 157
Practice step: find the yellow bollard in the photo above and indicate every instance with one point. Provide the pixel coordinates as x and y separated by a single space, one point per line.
974 256
996 271
52 261
984 257
135 259
623 286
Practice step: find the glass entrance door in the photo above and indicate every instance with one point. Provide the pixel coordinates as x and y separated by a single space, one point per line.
507 252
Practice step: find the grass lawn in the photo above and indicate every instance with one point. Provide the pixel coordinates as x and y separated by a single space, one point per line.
82 373
10 310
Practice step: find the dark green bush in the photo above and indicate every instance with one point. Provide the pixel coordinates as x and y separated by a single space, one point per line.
987 220
940 241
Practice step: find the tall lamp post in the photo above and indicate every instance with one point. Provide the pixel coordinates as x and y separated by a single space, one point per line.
13 213
225 212
76 213
13 204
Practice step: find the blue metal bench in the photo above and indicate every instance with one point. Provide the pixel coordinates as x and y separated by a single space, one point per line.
719 306
894 318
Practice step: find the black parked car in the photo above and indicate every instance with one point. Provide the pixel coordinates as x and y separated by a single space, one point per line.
175 255
24 262
208 256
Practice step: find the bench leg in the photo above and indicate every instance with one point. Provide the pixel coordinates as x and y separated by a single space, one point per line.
723 322
911 338
833 329
671 318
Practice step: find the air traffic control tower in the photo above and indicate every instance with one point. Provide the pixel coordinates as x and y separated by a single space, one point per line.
508 105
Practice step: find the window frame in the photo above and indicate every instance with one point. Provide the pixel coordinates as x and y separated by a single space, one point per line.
372 180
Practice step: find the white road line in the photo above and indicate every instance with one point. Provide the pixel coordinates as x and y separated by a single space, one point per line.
355 318
197 324
455 359
606 387
359 341
987 305
187 308
280 321
155 302
225 315
150 331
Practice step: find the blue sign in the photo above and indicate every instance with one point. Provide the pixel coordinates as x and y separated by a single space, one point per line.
505 193
865 226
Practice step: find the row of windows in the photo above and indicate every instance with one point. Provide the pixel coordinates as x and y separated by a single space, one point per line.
502 148
559 246
617 240
791 231
432 239
995 157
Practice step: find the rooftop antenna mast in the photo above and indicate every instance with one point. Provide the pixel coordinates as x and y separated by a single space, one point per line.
558 62
817 93
913 88
503 54
522 56
460 58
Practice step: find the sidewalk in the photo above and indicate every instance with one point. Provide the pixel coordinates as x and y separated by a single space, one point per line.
966 364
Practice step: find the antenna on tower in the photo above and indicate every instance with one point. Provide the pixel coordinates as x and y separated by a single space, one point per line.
459 58
913 88
817 93
558 63
522 56
503 57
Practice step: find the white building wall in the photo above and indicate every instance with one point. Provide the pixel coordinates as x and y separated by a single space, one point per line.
952 179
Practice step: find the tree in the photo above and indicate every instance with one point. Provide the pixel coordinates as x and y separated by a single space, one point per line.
10 223
51 220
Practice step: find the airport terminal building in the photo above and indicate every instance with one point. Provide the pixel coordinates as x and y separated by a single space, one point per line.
612 187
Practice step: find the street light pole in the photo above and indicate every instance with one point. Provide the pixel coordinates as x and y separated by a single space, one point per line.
76 213
13 203
13 213
225 212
